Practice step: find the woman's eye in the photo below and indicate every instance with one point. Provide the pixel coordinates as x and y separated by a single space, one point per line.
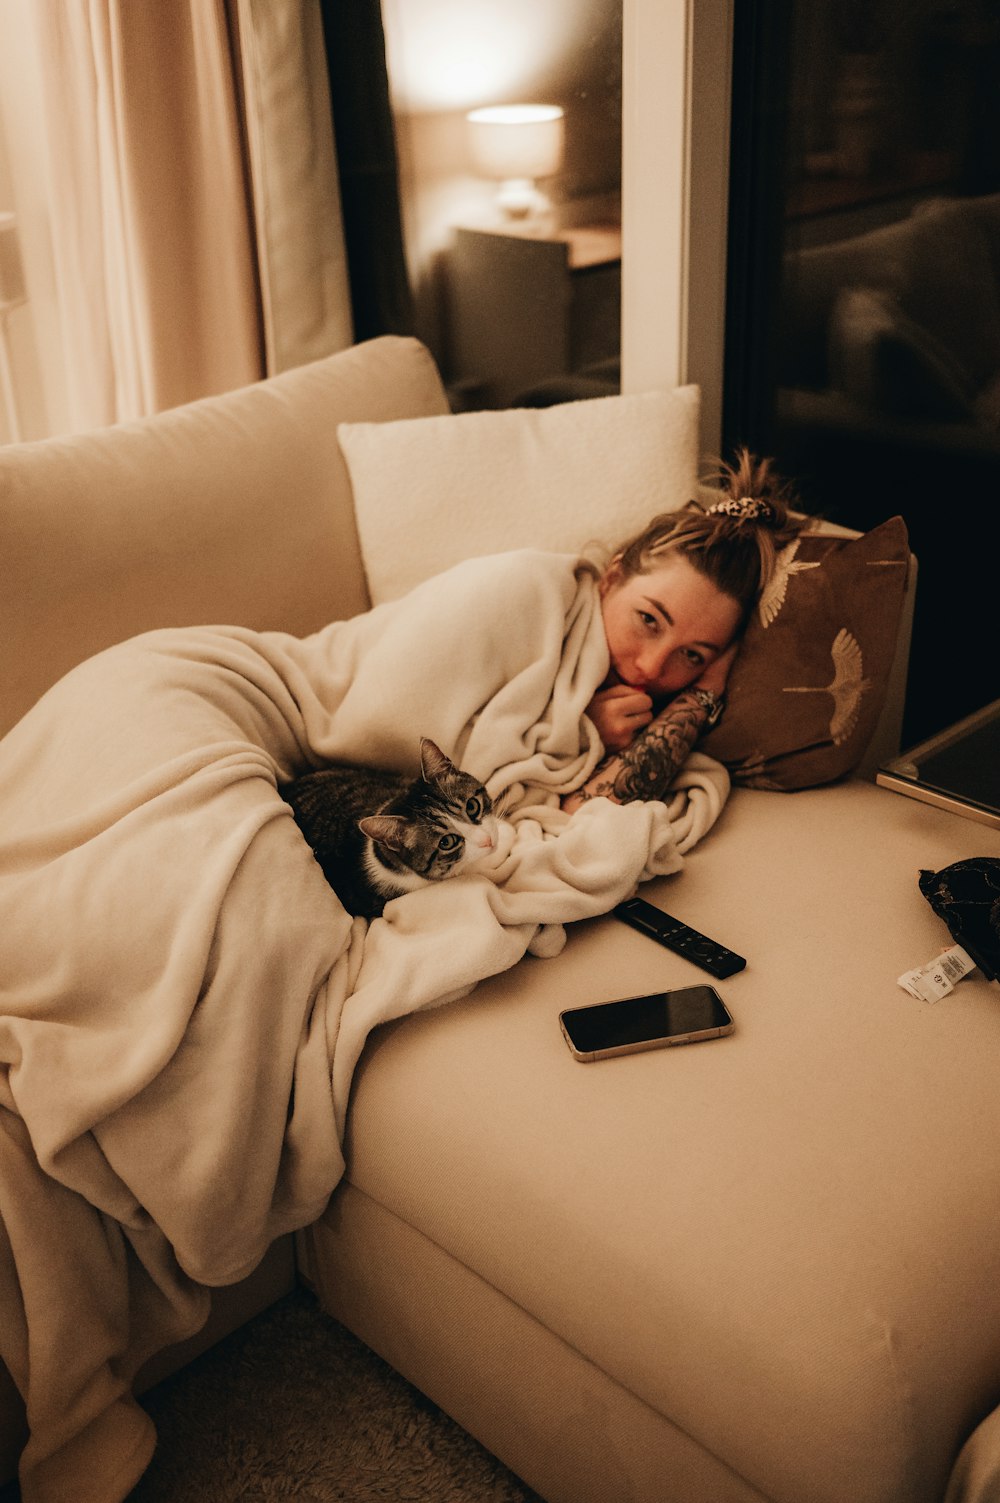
474 808
648 619
449 842
694 658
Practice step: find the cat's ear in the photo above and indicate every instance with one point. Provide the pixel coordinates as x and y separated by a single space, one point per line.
434 765
387 829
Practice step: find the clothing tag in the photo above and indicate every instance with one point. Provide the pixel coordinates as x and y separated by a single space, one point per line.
931 982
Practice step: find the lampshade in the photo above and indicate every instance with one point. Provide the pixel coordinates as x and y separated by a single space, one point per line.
517 140
12 289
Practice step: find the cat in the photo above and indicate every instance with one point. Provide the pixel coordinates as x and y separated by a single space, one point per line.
378 834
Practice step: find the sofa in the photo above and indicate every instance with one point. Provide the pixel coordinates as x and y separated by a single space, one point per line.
762 1268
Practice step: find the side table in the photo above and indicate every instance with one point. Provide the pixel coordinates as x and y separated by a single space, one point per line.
526 304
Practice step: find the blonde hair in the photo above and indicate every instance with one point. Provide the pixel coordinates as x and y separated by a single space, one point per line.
734 542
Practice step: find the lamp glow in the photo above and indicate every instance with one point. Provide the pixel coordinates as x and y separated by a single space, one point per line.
516 144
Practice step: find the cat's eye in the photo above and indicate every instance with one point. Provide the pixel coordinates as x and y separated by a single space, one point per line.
474 808
449 842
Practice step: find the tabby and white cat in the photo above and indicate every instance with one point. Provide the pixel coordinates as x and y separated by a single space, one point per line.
377 834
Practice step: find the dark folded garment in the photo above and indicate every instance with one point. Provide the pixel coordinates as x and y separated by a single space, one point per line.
966 895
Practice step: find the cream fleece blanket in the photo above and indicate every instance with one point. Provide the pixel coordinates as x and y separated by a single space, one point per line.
180 986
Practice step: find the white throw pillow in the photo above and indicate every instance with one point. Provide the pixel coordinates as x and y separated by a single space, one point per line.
430 492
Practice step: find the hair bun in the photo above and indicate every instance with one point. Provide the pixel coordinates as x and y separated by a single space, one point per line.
752 492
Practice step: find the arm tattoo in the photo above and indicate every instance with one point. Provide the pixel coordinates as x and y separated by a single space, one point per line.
650 764
646 769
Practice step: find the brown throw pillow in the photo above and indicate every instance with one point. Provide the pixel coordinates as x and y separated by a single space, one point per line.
806 691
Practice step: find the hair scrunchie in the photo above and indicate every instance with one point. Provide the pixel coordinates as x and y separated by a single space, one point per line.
743 508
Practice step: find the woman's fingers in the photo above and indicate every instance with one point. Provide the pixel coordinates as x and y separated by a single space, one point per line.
624 699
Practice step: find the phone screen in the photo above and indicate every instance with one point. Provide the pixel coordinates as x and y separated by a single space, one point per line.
640 1020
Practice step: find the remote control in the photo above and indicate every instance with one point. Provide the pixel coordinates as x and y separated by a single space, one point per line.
671 933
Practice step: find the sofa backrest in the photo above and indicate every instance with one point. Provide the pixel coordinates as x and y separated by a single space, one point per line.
236 509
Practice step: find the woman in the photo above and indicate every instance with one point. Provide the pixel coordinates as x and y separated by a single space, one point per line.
674 602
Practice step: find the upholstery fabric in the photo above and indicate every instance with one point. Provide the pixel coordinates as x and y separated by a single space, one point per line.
554 1417
782 1242
806 690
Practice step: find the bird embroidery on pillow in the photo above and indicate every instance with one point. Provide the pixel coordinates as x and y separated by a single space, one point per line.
785 565
847 688
750 773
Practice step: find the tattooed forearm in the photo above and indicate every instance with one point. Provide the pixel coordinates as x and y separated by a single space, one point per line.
646 769
600 786
649 765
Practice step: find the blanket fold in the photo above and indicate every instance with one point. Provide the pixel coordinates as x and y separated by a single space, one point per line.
185 1000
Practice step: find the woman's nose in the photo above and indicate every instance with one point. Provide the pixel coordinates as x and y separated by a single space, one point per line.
653 660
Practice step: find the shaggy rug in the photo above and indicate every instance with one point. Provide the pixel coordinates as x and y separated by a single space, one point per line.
292 1406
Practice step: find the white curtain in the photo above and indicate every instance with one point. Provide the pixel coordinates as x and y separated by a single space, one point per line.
192 193
304 282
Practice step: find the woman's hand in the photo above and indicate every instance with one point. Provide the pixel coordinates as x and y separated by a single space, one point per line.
620 713
715 676
646 753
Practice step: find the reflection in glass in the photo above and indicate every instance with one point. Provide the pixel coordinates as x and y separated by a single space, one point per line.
864 316
517 307
958 769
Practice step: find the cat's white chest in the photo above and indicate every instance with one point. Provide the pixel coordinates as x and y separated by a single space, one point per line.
390 883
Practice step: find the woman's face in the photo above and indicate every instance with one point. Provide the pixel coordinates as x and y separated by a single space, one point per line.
665 627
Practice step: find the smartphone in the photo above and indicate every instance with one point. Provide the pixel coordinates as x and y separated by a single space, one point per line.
635 1023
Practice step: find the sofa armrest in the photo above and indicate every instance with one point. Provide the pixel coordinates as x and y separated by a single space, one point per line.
236 509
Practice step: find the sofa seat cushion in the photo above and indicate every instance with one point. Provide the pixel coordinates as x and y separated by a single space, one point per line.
782 1241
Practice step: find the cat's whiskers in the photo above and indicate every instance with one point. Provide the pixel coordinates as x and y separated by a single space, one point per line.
500 803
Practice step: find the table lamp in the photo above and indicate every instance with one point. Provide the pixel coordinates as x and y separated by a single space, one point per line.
516 144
